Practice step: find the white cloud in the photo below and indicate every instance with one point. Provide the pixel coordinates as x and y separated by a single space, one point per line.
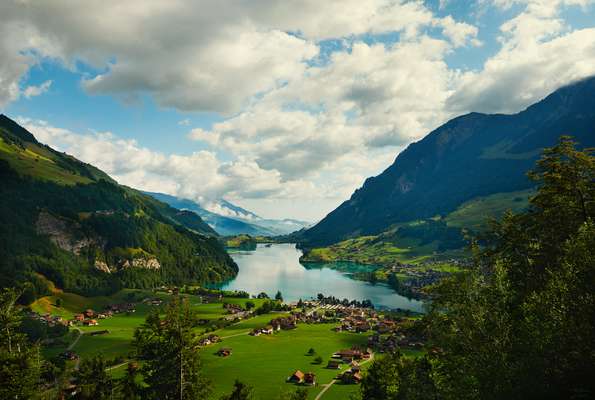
32 91
300 123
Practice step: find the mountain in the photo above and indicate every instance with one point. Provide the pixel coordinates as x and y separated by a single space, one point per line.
68 222
469 157
224 225
228 219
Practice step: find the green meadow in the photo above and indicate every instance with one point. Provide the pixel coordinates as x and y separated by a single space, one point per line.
263 362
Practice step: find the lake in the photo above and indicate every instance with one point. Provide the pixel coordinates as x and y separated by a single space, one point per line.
276 267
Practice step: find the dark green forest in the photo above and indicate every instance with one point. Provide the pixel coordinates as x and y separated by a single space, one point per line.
521 323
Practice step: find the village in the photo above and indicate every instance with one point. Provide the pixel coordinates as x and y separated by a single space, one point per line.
384 334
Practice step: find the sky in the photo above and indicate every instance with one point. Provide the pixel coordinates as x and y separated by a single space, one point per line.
282 107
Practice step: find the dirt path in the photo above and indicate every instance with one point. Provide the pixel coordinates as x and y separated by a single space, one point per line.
326 387
117 366
331 383
234 335
80 333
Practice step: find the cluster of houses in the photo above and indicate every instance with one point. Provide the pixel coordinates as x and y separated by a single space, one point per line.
209 340
236 312
385 344
49 320
301 378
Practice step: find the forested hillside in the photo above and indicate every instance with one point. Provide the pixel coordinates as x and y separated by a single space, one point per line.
469 157
66 221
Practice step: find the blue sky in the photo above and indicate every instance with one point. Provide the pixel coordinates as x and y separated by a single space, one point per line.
283 108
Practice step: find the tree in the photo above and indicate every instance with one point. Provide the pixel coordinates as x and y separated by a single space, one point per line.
262 295
299 394
241 391
250 305
318 360
521 324
94 383
278 296
19 360
130 389
311 351
171 368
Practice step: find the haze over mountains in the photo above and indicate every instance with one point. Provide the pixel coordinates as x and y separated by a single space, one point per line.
471 156
229 219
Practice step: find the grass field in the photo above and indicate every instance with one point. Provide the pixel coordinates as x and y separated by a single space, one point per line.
266 361
263 362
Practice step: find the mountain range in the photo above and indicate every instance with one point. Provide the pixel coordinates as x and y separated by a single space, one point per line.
469 158
229 219
67 222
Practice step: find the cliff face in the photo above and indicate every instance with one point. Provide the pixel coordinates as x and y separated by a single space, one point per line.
470 156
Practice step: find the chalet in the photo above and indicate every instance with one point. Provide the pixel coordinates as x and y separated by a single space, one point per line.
296 377
350 377
224 352
101 316
89 313
255 332
267 330
310 378
90 322
355 366
334 364
79 317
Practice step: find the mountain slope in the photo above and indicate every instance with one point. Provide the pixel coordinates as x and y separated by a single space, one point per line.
470 156
72 223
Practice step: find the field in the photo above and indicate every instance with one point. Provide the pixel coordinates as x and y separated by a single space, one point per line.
266 361
263 362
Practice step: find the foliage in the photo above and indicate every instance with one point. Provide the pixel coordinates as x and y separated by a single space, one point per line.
92 380
241 391
521 325
167 347
19 359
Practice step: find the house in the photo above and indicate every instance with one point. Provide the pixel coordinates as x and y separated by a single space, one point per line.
350 377
89 313
90 322
79 317
255 332
334 364
224 352
267 330
310 378
355 366
296 377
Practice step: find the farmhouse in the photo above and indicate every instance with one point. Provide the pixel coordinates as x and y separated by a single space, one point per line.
334 364
296 377
90 322
350 376
310 378
224 352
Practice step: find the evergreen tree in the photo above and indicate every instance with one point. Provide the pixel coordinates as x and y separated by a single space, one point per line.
279 296
19 360
93 381
241 391
130 389
171 367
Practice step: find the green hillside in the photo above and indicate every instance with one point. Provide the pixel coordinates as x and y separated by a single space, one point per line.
74 225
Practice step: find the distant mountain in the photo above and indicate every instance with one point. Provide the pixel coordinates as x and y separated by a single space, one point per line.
69 222
469 157
228 219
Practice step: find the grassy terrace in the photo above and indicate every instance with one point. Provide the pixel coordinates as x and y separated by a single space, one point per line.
264 362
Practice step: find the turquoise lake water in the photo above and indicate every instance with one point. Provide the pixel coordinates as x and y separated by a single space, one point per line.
277 267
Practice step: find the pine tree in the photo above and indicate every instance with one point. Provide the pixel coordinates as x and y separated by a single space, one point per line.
171 368
19 360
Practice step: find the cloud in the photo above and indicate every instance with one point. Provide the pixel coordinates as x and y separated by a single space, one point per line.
539 54
32 91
